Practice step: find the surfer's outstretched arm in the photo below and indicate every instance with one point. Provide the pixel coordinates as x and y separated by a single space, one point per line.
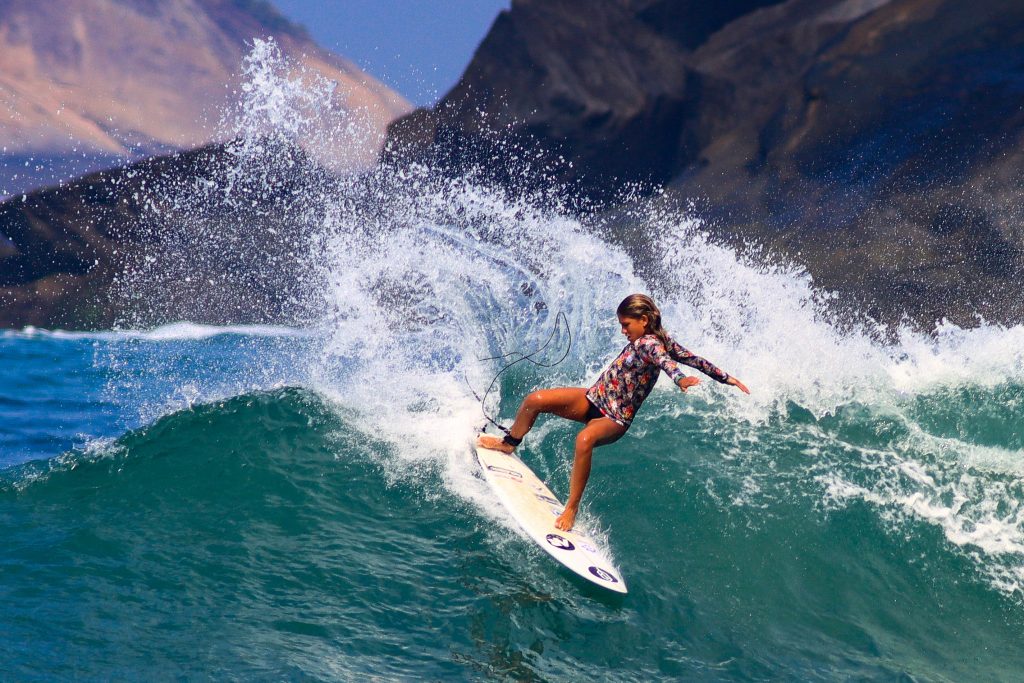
686 357
598 432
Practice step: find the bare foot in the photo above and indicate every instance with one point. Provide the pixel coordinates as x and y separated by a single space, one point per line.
493 443
566 520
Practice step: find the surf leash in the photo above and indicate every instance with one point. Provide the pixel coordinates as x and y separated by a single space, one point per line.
529 358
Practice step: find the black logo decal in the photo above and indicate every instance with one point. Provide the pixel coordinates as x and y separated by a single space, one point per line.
560 542
546 499
602 574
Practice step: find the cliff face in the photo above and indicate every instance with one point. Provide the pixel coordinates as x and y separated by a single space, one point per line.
608 85
889 157
89 84
877 142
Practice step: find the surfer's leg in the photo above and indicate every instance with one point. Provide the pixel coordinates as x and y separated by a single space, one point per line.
570 403
598 432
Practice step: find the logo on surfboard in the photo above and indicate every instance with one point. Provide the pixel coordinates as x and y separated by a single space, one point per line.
602 574
560 542
508 474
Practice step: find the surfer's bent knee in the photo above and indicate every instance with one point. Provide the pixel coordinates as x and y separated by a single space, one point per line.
588 438
534 401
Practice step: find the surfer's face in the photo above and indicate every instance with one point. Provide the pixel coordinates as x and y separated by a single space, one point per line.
633 328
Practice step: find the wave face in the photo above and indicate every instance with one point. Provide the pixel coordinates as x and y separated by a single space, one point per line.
266 535
266 502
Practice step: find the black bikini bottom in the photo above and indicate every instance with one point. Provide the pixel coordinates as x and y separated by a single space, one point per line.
592 412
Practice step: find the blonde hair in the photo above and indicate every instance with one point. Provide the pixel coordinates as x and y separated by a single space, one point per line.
638 305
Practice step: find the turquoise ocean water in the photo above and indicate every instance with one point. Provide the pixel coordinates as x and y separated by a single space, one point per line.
278 532
301 503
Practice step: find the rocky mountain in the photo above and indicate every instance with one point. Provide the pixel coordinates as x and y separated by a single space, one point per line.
879 143
88 84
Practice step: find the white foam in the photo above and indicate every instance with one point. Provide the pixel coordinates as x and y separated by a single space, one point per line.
453 274
972 493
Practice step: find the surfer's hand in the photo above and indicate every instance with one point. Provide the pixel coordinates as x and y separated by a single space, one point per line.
738 384
685 383
566 519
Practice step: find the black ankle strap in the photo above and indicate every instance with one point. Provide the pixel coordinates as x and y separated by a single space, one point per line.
511 440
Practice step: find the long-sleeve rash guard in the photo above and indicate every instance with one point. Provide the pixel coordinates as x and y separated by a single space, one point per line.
623 386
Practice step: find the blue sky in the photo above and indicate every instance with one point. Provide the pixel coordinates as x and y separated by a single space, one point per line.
417 47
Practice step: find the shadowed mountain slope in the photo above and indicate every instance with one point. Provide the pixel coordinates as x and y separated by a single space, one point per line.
877 142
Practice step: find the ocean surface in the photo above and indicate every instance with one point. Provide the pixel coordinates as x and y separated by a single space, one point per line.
301 502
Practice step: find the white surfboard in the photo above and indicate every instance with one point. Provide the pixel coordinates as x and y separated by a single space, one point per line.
535 508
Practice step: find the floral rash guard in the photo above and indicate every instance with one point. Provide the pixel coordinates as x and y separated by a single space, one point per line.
623 386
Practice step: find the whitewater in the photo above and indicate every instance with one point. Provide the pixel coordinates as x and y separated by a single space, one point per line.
300 501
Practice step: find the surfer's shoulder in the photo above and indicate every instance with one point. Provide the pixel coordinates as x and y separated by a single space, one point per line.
649 341
648 347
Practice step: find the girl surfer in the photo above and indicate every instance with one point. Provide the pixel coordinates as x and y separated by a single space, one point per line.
609 406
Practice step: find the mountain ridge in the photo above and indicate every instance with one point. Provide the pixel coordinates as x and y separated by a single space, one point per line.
878 144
